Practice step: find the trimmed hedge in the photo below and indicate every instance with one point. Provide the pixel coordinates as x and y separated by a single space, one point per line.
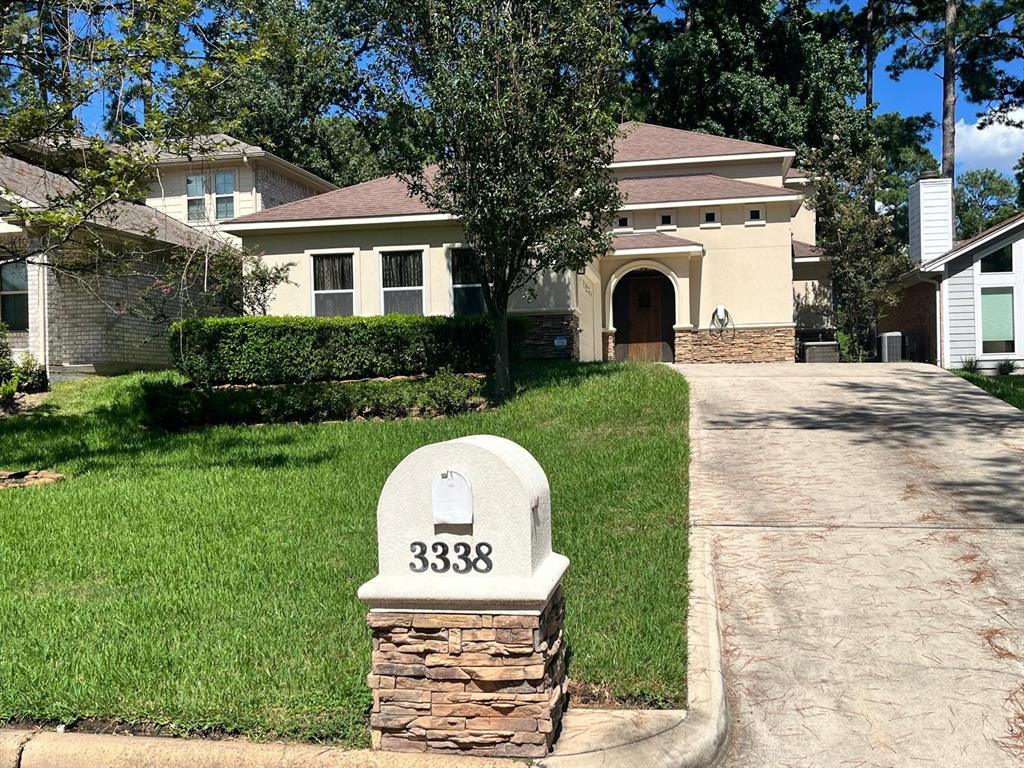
299 350
172 405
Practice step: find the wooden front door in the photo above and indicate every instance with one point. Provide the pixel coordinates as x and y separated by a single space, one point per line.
643 318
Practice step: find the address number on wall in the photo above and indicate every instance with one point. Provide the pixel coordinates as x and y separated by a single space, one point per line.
461 558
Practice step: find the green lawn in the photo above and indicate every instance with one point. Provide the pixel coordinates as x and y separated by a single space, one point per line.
207 581
1008 388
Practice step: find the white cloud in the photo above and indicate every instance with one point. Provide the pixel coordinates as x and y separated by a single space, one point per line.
997 146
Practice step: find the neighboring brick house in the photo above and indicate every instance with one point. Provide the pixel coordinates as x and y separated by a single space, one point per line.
78 322
76 325
220 178
707 222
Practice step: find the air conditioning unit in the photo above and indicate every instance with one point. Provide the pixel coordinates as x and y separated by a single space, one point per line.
821 352
891 346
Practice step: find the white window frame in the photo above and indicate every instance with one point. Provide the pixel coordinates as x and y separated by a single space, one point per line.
629 222
452 285
25 293
672 220
356 308
204 197
713 209
425 253
233 195
1014 280
759 222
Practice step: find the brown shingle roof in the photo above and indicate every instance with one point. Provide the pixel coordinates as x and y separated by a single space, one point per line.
649 240
643 141
703 186
805 250
39 186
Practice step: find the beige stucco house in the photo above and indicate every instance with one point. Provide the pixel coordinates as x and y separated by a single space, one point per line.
707 222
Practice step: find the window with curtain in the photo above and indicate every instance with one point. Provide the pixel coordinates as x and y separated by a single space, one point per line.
997 320
224 194
333 285
14 296
195 192
467 284
402 276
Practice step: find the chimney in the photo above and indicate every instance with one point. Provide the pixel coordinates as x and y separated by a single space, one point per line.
931 217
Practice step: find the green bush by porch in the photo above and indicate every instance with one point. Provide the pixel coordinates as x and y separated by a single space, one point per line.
206 580
288 350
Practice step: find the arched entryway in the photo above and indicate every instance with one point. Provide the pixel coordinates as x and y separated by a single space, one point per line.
643 305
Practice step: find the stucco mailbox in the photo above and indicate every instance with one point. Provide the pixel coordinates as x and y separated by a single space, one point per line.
467 608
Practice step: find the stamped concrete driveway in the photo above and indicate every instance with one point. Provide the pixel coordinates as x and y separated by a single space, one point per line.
868 524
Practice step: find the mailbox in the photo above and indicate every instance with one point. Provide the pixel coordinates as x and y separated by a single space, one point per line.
465 525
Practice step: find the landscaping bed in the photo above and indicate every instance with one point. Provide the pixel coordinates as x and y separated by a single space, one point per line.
1007 388
205 581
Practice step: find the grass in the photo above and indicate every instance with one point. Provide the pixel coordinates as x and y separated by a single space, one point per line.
206 581
1007 388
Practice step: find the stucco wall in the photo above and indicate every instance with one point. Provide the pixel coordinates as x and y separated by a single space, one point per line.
553 292
812 295
758 171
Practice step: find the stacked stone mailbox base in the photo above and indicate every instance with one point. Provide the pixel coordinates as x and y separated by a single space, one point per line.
481 684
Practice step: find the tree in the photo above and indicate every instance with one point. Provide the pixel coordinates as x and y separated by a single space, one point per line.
903 143
775 72
960 36
984 197
864 257
517 104
308 82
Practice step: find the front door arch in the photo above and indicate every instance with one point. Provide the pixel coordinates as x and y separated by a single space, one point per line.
643 305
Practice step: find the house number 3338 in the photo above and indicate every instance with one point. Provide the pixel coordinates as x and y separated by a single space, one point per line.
460 559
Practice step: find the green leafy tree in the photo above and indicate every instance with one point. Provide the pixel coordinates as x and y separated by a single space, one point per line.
984 197
776 72
903 143
865 259
517 104
299 96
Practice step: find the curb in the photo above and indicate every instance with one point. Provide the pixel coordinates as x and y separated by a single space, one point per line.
691 738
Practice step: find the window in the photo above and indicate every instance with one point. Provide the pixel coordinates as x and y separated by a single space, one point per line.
224 194
997 320
195 192
998 261
333 285
402 273
624 221
666 219
709 217
14 296
467 283
755 214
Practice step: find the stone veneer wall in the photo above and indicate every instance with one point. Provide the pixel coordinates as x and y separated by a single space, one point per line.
477 684
736 345
608 345
539 343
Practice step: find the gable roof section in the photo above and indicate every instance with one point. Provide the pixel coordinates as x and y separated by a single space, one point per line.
642 142
33 185
696 189
1011 226
806 251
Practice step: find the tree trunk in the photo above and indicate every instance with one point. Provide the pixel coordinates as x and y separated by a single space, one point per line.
949 92
869 59
502 369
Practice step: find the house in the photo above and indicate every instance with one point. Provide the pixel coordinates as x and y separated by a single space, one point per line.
964 300
707 222
217 178
76 324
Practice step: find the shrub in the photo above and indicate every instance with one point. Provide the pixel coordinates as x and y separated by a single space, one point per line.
6 361
32 375
173 405
1006 367
8 389
300 350
970 364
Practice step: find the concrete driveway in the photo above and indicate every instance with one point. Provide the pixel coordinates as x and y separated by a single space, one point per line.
868 523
